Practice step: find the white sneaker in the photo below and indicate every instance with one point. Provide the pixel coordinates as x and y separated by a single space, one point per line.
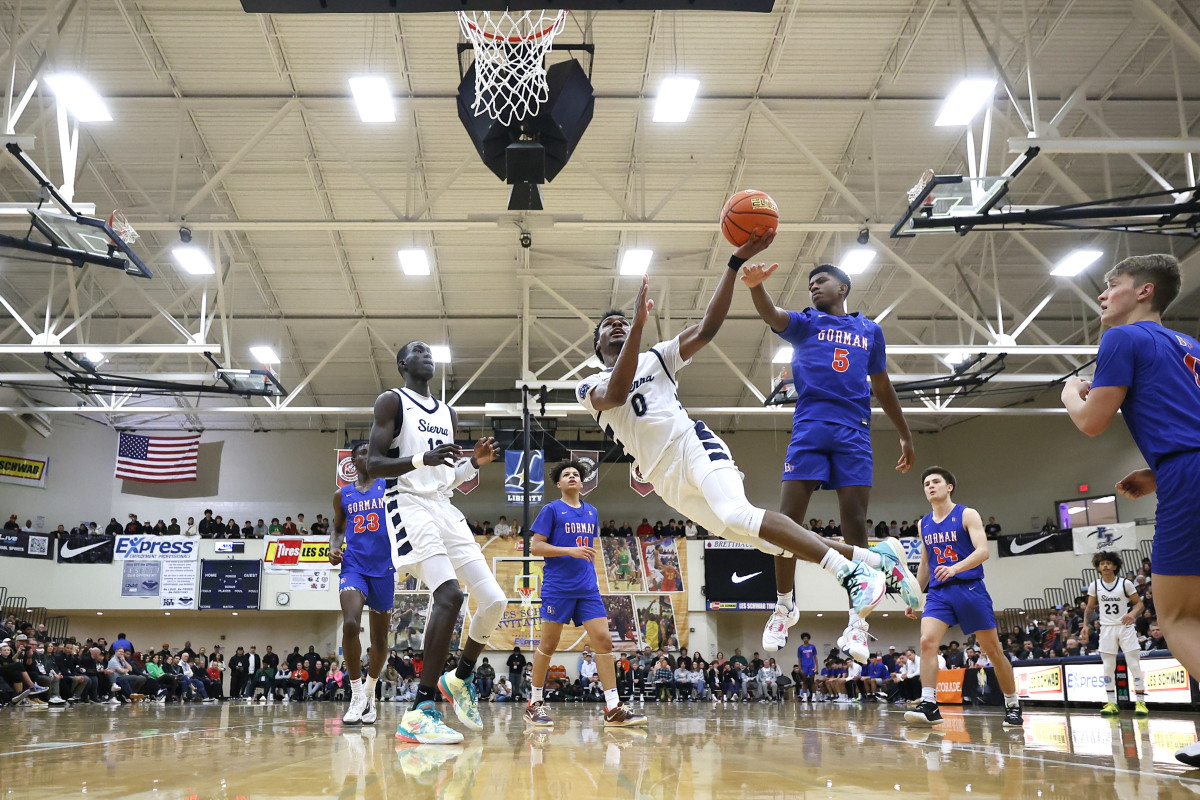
112 701
372 711
775 634
853 641
56 701
358 704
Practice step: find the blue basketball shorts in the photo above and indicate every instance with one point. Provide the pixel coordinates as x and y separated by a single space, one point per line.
967 605
836 455
379 590
573 610
1177 520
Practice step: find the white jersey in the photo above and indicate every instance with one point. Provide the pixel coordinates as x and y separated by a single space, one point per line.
422 424
1112 600
652 418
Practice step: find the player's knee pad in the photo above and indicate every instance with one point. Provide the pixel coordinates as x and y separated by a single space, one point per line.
1110 667
490 604
1134 665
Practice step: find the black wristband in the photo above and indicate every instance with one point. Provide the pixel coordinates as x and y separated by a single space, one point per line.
736 262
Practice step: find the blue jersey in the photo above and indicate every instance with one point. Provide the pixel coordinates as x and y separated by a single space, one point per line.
566 526
1161 369
368 549
832 358
807 653
947 543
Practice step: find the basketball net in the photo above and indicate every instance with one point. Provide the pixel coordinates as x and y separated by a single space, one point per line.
510 60
122 228
526 586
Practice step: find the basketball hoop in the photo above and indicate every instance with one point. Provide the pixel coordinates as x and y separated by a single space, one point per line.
915 191
526 586
510 53
122 228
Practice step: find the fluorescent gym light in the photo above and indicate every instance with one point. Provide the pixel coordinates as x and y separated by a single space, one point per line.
414 262
782 356
80 97
193 259
1076 262
964 102
636 262
955 357
857 260
675 98
1105 500
373 98
264 354
94 357
441 353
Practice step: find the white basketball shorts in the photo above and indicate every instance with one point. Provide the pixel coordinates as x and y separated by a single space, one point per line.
1124 636
421 526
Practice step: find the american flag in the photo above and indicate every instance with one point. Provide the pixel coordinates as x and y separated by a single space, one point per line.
160 459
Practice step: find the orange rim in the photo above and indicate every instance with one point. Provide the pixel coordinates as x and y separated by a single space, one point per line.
514 39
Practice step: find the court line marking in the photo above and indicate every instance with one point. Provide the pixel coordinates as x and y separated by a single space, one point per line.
41 749
983 750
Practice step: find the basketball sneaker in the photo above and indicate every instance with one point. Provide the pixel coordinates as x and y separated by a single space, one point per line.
926 713
462 694
1189 755
623 716
854 641
895 572
423 763
358 704
371 712
537 716
775 635
1012 717
1139 709
424 725
866 586
1110 710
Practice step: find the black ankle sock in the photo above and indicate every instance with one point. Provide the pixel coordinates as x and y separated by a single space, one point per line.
464 669
424 693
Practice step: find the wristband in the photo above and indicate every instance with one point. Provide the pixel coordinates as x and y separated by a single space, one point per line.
418 460
736 262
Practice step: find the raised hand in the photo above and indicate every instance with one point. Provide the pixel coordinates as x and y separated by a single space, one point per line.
485 451
754 274
759 240
444 455
643 305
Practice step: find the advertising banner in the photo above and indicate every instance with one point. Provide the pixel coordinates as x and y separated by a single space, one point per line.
344 471
1167 681
162 548
950 685
1085 683
140 578
514 477
1095 538
287 553
1032 544
83 548
1040 683
23 469
590 459
178 588
22 544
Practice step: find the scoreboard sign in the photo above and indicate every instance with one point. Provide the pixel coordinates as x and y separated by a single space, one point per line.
230 584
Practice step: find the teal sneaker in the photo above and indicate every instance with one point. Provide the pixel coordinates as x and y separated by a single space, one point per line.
424 725
462 694
895 572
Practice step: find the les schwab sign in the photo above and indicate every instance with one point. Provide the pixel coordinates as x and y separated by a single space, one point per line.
288 553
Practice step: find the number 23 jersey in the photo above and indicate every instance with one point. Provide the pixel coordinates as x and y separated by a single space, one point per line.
652 416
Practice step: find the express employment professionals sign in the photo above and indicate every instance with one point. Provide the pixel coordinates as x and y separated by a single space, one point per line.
162 548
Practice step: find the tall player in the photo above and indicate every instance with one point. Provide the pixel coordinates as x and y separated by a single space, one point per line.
1112 594
412 447
954 549
838 360
1152 374
635 401
367 578
564 533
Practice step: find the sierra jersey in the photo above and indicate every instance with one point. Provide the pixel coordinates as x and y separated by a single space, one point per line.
1112 600
422 424
833 358
947 543
367 546
652 417
564 525
1161 369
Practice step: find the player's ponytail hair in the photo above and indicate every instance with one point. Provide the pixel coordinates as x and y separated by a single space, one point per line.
1161 270
1107 555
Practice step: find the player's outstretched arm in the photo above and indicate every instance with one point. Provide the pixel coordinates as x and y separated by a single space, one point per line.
337 531
692 339
885 393
754 275
383 430
615 392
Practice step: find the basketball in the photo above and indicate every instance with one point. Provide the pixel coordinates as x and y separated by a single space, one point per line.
745 211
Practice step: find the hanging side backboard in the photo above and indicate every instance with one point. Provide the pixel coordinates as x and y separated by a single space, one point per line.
429 6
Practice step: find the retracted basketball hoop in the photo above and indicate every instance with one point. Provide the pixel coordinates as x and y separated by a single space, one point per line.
122 228
510 60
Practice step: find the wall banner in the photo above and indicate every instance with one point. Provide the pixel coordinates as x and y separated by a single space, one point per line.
23 469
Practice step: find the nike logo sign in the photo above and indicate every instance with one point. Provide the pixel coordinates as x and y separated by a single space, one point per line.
66 551
743 578
1021 548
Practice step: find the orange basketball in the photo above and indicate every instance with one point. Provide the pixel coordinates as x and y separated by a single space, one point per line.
745 211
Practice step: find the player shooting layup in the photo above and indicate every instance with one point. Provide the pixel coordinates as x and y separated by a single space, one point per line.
635 401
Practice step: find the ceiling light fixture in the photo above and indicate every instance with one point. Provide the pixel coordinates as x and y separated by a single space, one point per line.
264 354
782 356
193 260
79 96
675 99
965 101
373 98
441 353
414 261
1076 262
856 261
636 262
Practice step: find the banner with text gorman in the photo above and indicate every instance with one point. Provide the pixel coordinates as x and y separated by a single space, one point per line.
1097 538
23 469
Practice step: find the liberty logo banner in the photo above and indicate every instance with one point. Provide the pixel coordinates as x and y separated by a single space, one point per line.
590 459
514 477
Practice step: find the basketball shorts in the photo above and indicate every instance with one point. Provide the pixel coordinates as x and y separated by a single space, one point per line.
1122 636
967 605
836 455
679 477
379 590
572 610
422 526
1177 520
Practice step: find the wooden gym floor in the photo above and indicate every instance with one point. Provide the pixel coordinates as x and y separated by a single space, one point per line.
234 750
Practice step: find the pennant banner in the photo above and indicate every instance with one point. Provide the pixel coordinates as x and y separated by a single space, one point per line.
514 477
466 487
590 459
345 473
638 483
1095 538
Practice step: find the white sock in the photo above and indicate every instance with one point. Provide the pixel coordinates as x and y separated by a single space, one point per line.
356 686
867 557
929 695
1011 700
611 699
369 688
835 564
535 695
784 600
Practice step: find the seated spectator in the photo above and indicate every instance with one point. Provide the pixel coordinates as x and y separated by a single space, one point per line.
645 529
159 529
992 529
664 681
289 528
247 531
388 680
1051 526
193 687
768 681
301 526
683 682
169 684
275 529
625 530
502 690
1155 640
113 528
503 529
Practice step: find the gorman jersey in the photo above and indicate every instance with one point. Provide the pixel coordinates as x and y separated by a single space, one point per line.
564 525
1112 599
832 358
947 543
368 550
422 424
652 417
1161 369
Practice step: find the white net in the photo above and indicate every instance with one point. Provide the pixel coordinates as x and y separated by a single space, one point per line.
526 587
122 228
510 54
